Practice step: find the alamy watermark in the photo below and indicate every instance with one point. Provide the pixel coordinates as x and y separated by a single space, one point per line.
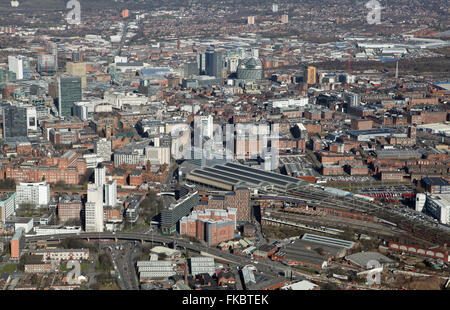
374 15
374 274
74 274
73 17
240 142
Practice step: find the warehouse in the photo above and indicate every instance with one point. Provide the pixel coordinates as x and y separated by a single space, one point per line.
298 253
398 154
202 265
362 259
155 270
367 135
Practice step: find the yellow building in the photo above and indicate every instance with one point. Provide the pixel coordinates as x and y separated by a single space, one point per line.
77 69
311 75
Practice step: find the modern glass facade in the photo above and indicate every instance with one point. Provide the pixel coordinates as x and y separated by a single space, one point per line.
172 215
69 90
14 122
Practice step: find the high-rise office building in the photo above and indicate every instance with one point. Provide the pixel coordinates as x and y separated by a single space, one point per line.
7 76
100 175
69 92
201 61
205 125
110 193
93 211
209 59
76 57
77 69
285 19
14 122
46 65
53 50
218 63
311 75
251 20
15 64
191 69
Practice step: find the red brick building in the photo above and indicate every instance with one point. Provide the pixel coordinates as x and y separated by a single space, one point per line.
212 226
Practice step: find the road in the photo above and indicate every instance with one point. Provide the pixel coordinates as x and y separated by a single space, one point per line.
266 266
125 261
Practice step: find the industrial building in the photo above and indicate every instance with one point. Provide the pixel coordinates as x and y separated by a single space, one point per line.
367 135
155 270
362 259
200 265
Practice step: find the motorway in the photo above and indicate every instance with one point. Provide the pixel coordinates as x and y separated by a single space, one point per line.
123 260
125 265
265 266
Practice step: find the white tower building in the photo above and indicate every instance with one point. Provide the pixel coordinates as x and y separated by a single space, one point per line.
100 175
94 209
15 64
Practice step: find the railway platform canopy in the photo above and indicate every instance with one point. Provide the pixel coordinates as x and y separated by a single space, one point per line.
230 175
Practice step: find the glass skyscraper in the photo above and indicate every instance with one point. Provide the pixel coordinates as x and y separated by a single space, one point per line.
69 92
14 122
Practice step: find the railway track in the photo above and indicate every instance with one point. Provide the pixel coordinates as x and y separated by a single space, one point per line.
417 232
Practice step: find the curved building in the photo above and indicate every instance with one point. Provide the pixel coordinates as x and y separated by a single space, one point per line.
250 69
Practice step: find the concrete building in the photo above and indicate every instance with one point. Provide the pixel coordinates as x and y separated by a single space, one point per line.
102 148
77 69
110 193
23 222
7 205
171 215
420 201
100 175
15 64
94 209
37 194
438 206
